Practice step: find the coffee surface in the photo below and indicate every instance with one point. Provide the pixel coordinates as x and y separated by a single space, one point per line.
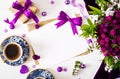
12 51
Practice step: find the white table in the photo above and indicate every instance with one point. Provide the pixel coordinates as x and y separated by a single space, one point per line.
55 46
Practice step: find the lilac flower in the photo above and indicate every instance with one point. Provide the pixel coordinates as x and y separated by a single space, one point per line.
118 38
112 32
105 30
89 41
103 35
107 45
109 18
106 39
102 42
115 21
103 49
116 49
113 41
117 14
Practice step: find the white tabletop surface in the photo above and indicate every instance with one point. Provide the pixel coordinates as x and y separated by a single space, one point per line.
55 46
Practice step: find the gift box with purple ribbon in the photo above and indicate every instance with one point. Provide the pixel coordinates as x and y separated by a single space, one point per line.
23 10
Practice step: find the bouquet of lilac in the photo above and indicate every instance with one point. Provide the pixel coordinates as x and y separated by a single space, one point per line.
103 32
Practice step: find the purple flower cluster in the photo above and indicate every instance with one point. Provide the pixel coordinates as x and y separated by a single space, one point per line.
108 33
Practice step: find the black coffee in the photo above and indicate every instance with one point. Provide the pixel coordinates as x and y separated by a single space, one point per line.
12 51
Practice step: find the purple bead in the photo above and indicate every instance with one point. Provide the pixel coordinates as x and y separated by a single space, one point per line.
44 13
67 2
82 66
59 69
65 69
52 2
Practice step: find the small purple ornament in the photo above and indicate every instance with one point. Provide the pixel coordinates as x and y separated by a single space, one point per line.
89 41
67 2
33 66
36 57
82 66
52 2
59 69
65 69
44 13
24 69
23 35
5 30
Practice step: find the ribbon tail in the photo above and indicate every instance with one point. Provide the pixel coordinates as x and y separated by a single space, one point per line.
74 29
60 23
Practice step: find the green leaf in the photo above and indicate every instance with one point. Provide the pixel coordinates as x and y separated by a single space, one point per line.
92 12
96 10
85 27
117 65
114 45
90 23
109 60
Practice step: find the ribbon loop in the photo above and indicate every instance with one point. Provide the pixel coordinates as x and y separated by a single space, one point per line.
63 17
23 10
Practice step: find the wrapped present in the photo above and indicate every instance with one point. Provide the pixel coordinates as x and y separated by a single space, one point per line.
23 17
23 10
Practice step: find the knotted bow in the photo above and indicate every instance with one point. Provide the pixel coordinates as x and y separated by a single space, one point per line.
63 17
22 10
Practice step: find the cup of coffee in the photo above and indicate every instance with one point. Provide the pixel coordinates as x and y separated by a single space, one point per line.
12 51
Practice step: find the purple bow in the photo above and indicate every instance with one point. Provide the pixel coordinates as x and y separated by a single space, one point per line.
63 17
22 10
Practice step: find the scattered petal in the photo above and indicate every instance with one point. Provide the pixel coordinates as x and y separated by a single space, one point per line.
83 66
36 57
24 69
23 35
5 30
44 13
33 66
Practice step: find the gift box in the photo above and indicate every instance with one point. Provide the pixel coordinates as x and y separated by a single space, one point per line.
22 17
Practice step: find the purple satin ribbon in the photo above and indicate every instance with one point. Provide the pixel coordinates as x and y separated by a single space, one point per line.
82 8
22 10
63 17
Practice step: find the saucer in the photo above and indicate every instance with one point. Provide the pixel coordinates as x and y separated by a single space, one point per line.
40 73
24 45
